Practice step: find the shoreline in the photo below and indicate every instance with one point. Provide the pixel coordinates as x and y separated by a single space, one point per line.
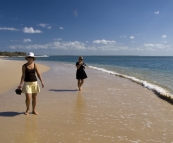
159 91
152 80
155 88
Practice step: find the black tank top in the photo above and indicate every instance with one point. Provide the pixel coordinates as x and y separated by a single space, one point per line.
30 74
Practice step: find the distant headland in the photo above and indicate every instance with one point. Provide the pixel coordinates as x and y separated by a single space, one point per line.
12 54
17 54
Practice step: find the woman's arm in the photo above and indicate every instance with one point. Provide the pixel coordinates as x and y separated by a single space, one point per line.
39 76
22 77
79 65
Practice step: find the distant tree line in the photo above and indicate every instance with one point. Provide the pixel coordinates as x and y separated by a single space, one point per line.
11 54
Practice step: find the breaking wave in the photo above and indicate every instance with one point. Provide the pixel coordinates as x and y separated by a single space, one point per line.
155 88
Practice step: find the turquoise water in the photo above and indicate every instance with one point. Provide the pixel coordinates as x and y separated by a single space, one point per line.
155 70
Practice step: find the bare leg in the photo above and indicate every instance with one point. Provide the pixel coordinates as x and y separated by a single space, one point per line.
27 101
34 99
78 83
81 83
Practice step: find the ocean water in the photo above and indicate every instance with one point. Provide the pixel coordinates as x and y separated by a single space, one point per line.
155 73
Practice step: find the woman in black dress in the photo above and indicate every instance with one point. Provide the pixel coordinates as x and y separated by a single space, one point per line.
80 73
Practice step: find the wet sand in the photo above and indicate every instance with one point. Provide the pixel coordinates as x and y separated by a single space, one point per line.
109 109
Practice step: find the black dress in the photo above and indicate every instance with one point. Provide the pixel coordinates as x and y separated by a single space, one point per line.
80 73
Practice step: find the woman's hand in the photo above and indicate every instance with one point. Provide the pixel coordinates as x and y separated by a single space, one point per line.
42 85
20 86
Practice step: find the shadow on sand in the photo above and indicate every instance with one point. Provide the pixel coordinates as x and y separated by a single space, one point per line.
10 114
63 90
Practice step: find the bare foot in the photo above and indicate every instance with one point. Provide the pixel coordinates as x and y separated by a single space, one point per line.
26 113
34 112
80 89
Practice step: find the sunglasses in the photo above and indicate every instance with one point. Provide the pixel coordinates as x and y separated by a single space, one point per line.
30 57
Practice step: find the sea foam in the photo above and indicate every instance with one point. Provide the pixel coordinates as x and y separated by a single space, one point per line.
155 88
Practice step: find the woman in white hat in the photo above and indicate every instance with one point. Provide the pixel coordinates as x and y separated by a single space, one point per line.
30 86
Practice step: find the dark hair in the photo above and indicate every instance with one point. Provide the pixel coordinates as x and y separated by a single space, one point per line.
81 58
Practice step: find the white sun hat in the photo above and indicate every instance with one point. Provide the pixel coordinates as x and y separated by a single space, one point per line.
30 54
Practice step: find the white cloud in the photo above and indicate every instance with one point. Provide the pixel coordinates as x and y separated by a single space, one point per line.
75 45
75 13
49 27
59 39
72 46
45 25
108 48
61 28
123 36
31 30
156 46
149 45
132 37
163 36
98 45
31 47
42 25
157 12
27 40
7 28
137 49
103 41
84 47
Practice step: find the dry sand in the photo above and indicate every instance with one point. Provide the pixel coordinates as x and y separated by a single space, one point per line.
109 109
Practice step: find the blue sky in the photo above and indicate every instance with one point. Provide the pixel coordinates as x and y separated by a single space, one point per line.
87 27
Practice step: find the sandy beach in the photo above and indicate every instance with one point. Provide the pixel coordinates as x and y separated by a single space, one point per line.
108 109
